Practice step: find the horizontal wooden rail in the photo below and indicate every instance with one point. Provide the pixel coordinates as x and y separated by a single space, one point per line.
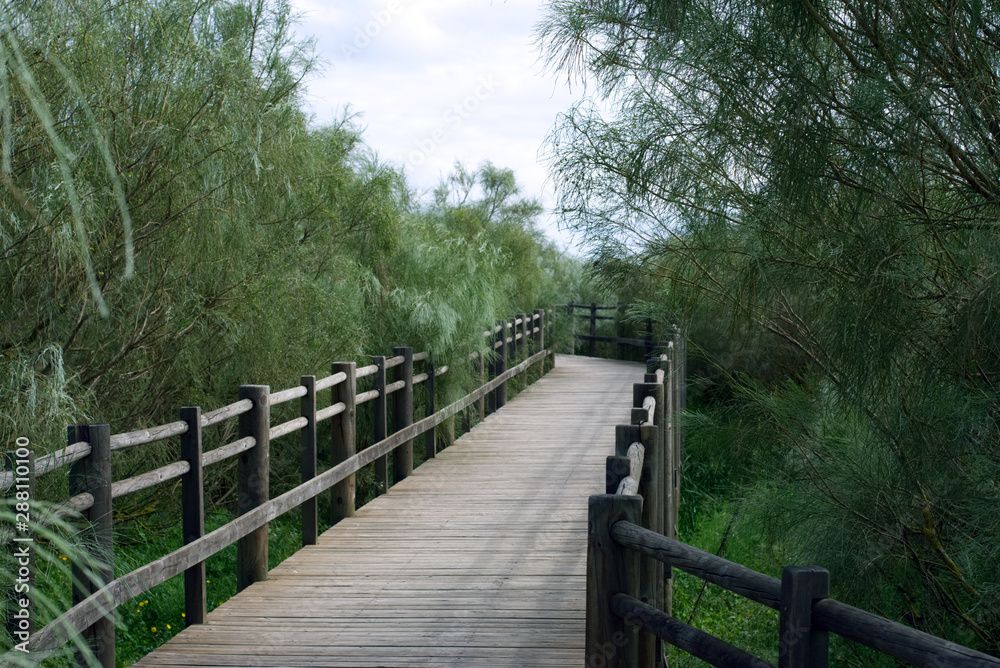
149 479
330 411
615 339
123 589
366 371
287 427
281 397
733 577
226 451
394 387
393 361
77 504
889 637
694 641
330 381
71 453
144 436
362 397
226 412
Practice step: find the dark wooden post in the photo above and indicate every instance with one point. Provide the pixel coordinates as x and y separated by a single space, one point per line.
501 392
611 569
572 328
650 570
526 350
430 436
593 327
379 412
800 645
649 335
309 507
193 515
21 618
512 350
620 344
540 339
402 413
676 385
481 402
343 431
491 373
92 475
252 485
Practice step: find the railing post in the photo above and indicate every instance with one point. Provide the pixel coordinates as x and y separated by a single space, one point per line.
540 340
611 569
572 328
667 525
343 431
252 485
402 413
500 394
650 570
800 645
512 347
21 619
379 412
525 346
593 327
430 436
676 380
481 402
193 514
92 475
309 507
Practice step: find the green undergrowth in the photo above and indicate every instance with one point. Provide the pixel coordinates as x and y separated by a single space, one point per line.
726 516
739 621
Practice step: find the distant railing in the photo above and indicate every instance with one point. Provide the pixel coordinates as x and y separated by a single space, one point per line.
632 546
511 348
590 311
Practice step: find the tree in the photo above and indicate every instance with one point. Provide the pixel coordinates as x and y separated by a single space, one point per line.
827 171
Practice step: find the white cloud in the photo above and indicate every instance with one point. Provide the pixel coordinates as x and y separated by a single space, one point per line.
406 64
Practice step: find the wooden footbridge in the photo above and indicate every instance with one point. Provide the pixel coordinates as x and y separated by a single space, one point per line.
499 550
477 559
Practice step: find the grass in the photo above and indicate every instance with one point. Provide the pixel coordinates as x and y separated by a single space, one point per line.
739 621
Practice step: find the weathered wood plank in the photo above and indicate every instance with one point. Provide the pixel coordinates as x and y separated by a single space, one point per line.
476 559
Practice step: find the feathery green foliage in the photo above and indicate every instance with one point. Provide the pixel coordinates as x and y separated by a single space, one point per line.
171 227
815 186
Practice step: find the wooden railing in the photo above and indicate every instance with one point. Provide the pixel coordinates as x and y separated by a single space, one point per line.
511 348
632 546
590 311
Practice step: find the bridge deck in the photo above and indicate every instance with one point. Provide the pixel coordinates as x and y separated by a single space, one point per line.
477 559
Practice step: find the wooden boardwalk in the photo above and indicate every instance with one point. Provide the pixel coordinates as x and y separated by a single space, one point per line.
477 559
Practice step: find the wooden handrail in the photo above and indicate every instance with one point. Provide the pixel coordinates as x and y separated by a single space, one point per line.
249 529
366 371
127 587
615 580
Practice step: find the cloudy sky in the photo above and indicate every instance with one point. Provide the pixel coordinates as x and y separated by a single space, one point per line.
436 81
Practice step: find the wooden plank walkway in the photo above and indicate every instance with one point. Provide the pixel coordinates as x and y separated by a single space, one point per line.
478 559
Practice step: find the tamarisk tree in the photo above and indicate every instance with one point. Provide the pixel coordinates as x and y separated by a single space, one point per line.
829 171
